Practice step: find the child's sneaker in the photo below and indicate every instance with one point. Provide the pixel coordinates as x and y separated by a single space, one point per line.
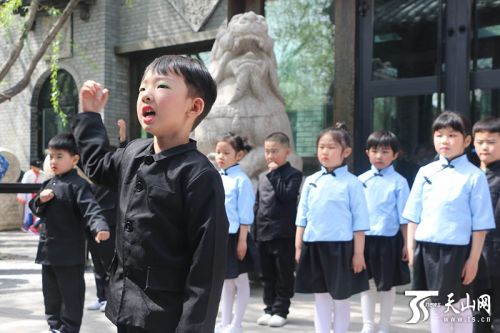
264 319
233 329
96 305
103 306
219 328
277 321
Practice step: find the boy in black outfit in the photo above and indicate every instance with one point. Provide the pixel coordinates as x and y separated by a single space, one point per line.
487 144
275 210
64 204
171 230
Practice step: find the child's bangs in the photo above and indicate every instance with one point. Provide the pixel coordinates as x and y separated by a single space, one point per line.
451 120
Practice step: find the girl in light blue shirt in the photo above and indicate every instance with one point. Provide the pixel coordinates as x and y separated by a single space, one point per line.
449 210
331 219
239 204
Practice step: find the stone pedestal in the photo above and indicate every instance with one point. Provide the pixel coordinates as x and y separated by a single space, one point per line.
11 211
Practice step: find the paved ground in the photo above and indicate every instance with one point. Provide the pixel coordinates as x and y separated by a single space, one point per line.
21 302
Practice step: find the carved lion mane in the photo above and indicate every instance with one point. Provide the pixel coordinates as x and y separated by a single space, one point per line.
249 102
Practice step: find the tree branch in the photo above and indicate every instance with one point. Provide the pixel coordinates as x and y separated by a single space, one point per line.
14 54
21 84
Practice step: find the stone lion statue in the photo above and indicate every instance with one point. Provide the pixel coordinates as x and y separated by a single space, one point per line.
10 210
249 102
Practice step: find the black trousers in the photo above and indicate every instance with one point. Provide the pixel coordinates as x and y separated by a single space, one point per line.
102 255
63 296
130 329
481 322
277 260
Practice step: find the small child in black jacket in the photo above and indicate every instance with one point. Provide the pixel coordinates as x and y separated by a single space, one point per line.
66 206
275 211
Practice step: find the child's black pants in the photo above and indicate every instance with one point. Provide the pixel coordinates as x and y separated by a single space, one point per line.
277 260
63 295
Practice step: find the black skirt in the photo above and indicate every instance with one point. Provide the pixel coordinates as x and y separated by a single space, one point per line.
326 267
439 267
235 267
383 261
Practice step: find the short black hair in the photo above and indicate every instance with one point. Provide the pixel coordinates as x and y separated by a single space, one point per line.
452 120
279 137
64 141
237 142
36 162
196 76
383 139
489 124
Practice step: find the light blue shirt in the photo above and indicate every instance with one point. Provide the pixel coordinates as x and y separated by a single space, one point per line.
386 192
332 206
448 201
239 199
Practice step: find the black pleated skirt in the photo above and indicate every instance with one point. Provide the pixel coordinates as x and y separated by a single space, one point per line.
235 267
439 267
326 267
383 261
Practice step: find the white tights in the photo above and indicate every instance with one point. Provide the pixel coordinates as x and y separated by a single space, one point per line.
451 322
368 300
239 288
327 308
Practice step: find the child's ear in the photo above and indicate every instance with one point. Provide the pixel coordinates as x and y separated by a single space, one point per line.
75 159
240 155
467 141
366 152
347 152
395 157
197 107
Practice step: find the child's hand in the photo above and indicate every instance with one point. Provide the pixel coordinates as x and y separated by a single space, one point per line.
46 195
272 166
358 262
241 250
404 257
92 97
101 236
122 130
410 254
469 272
298 252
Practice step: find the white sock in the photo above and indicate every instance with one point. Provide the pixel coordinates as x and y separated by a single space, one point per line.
368 309
228 292
438 323
466 325
387 299
341 312
323 309
242 298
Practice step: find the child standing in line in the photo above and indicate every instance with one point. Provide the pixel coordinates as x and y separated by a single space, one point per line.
275 210
449 210
331 219
487 143
66 205
239 204
34 176
386 257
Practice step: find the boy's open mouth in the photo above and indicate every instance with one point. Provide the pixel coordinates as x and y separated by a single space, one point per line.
148 114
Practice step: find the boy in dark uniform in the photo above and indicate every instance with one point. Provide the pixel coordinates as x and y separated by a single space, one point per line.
275 210
171 229
487 144
64 203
